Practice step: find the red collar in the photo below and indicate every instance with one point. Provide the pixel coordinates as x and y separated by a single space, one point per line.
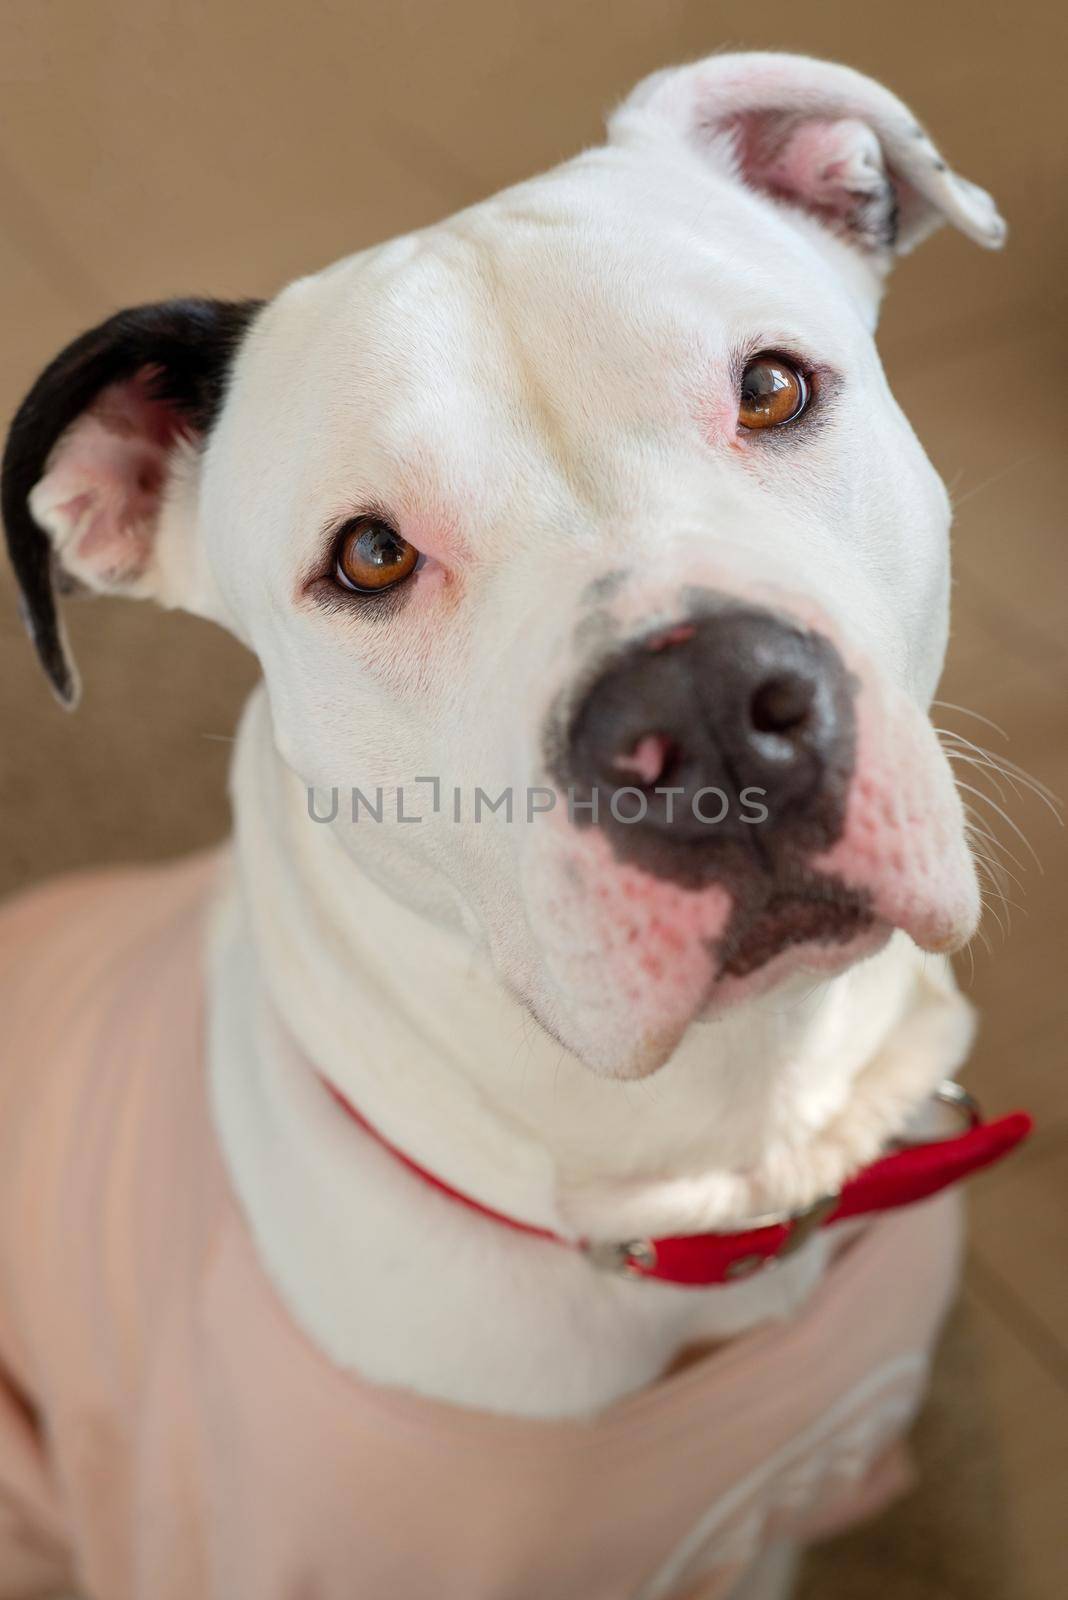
905 1175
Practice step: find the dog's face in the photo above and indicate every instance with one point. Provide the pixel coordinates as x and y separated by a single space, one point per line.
591 504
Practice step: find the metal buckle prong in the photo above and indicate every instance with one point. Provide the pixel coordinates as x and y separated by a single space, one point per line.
804 1225
801 1225
629 1257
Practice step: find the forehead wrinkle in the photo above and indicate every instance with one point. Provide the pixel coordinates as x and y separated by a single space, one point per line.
544 410
603 341
400 418
454 414
517 416
529 345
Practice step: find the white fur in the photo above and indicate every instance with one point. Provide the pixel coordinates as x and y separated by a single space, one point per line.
539 392
768 1105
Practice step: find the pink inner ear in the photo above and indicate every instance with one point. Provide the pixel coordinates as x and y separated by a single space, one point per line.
101 493
831 167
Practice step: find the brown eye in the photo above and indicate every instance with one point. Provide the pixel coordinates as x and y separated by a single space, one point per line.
773 392
372 556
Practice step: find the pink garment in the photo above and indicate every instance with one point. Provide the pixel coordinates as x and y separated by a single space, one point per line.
167 1432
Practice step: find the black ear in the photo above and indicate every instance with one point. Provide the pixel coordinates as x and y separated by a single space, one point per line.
94 438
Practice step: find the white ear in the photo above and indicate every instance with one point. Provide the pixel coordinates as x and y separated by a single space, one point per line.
819 137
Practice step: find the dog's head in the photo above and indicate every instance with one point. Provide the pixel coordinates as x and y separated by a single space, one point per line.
591 504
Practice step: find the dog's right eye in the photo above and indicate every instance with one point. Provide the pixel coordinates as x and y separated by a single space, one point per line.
371 556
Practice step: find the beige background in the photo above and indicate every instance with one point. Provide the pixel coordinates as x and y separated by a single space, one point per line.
150 148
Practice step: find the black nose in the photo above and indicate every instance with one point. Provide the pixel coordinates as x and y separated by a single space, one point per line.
737 726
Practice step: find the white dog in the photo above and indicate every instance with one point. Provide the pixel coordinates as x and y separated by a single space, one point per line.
591 844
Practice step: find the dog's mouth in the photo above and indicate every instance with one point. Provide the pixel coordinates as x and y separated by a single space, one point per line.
821 912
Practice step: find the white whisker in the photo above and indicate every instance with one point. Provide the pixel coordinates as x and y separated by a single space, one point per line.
948 705
1004 815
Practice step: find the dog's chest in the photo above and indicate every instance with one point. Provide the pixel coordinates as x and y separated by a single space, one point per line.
171 1371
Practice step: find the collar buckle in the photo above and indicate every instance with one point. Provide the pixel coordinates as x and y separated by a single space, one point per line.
956 1099
637 1258
630 1258
800 1226
803 1224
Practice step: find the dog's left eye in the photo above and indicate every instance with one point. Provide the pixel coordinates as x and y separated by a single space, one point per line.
370 555
773 392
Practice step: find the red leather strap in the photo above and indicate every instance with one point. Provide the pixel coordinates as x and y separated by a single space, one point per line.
921 1170
705 1259
438 1183
895 1180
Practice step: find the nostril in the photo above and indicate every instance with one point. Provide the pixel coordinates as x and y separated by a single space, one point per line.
782 704
648 760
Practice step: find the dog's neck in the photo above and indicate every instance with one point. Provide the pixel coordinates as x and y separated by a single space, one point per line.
766 1106
316 973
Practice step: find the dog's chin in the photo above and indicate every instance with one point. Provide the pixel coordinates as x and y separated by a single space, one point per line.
622 963
789 939
780 947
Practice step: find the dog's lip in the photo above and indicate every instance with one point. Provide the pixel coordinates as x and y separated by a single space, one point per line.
824 912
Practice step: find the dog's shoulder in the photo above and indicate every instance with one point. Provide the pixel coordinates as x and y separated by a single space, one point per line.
61 936
82 954
107 1180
